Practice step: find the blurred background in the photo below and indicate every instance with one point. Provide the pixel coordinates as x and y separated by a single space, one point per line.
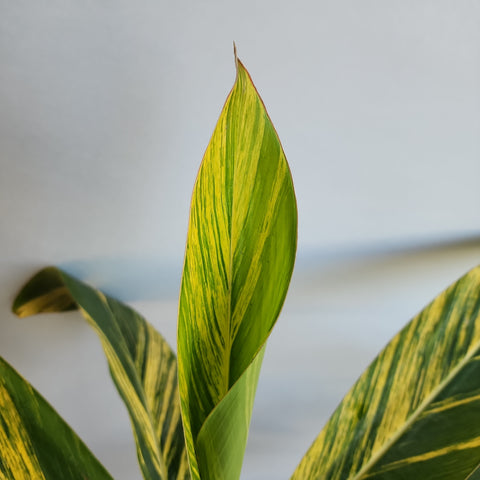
106 109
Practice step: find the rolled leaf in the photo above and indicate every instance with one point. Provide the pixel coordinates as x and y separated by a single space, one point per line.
141 363
415 412
35 443
239 259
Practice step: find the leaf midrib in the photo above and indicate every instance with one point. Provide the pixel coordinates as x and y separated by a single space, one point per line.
421 408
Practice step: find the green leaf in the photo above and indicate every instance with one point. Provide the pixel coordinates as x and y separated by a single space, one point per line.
415 412
238 263
475 475
141 363
35 443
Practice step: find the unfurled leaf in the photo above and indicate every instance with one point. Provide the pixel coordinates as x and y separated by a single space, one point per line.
141 363
415 412
35 443
238 263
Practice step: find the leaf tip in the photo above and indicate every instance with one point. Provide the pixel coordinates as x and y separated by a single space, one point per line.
239 67
235 56
235 52
44 292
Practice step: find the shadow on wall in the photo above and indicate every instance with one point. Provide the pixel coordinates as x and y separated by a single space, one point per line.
129 279
143 278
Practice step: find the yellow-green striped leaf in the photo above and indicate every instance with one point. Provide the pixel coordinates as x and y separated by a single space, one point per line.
415 412
35 443
141 363
239 259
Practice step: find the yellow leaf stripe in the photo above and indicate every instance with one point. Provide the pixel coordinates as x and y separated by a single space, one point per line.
141 363
472 444
35 443
415 412
17 453
238 263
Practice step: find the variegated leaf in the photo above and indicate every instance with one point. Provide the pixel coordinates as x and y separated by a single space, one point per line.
415 412
35 443
141 363
238 263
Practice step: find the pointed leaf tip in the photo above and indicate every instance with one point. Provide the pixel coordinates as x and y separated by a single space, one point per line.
239 259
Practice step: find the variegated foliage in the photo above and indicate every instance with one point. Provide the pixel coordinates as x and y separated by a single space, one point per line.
415 412
239 259
35 443
142 365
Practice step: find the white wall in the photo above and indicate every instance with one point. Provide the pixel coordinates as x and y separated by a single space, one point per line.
105 111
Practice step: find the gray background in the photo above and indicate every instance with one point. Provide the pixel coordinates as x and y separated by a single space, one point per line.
106 109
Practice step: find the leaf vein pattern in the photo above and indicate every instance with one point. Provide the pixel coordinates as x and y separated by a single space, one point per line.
391 400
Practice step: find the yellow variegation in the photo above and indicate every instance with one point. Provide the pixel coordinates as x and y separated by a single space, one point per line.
35 443
415 412
141 363
238 263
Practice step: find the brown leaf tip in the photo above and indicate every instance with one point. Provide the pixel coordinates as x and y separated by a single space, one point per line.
235 54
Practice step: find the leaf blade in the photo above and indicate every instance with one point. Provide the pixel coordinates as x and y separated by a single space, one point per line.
35 442
415 412
239 259
227 427
142 366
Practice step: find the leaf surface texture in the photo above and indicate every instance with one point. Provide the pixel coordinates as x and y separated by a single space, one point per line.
35 443
415 412
239 259
142 365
